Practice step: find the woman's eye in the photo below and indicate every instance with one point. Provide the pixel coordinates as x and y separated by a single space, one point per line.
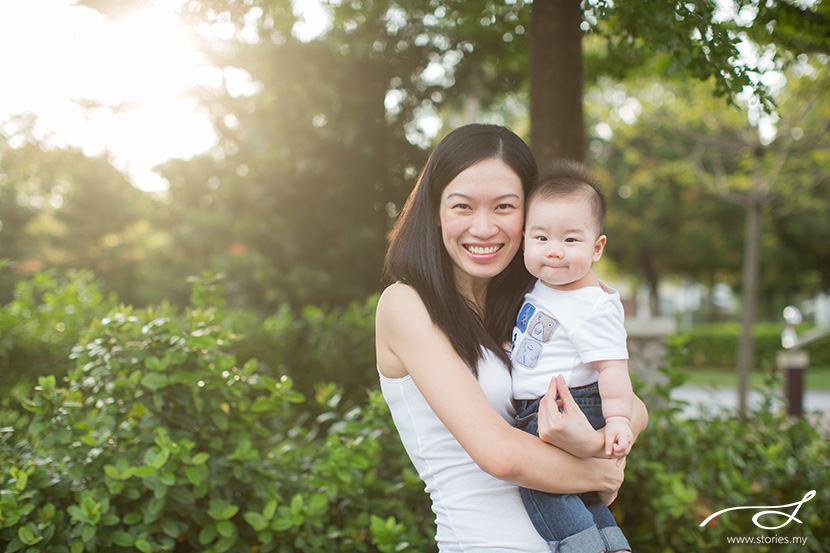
461 206
504 207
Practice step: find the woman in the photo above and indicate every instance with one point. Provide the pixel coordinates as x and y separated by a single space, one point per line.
440 333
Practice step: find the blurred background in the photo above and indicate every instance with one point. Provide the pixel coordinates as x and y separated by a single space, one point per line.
274 142
248 157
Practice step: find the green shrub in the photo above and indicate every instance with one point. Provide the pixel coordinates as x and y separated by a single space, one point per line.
313 345
683 470
715 345
168 434
162 441
39 327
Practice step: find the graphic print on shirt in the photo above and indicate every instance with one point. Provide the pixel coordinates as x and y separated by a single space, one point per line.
539 327
542 326
525 313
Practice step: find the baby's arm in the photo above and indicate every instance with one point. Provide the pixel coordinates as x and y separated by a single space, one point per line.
617 396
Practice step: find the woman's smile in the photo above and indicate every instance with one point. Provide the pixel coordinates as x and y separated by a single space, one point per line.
483 250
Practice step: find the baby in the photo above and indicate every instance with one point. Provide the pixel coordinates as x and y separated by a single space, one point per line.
571 323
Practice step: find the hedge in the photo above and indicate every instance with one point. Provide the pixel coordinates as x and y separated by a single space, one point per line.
683 470
162 437
715 345
161 441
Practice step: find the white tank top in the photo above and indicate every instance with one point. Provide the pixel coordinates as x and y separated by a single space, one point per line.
474 511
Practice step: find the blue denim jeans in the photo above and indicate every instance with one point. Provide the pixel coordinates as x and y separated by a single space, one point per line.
571 523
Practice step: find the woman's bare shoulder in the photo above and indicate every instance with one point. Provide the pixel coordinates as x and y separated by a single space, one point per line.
399 291
401 317
400 299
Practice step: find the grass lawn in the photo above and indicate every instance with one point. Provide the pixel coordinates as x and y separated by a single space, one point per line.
815 378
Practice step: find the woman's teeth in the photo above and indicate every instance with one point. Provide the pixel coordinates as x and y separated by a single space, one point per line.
478 250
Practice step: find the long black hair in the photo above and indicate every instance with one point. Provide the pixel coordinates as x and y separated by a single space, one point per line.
417 256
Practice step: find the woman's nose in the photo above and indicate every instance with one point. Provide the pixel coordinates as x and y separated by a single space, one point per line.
484 225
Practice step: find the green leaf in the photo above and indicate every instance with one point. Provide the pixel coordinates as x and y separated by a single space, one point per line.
156 457
200 458
256 520
270 509
152 510
224 544
34 407
143 545
145 471
263 404
219 419
122 538
154 381
88 533
317 504
196 474
296 504
207 534
27 536
359 462
282 524
221 509
119 474
226 528
181 495
167 478
265 537
154 363
47 512
22 480
170 527
47 384
229 512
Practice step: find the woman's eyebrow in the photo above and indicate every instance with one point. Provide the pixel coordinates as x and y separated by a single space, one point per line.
468 197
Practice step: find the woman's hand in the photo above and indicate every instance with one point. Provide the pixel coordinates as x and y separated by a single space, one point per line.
567 429
610 473
607 498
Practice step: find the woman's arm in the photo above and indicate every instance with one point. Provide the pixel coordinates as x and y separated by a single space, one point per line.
560 428
409 343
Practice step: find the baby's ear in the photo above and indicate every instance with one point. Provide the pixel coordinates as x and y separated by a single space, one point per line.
599 247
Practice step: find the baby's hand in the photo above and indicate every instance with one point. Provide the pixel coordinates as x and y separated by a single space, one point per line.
618 437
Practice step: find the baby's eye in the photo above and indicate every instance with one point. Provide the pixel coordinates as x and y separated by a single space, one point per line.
541 238
570 240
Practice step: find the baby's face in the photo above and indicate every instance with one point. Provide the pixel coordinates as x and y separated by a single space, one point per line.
562 241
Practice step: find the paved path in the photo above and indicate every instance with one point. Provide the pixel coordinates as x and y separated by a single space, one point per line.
704 400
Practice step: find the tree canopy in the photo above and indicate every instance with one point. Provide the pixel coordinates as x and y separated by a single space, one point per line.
322 137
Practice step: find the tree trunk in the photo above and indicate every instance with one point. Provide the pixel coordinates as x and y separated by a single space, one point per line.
652 280
653 297
556 125
749 292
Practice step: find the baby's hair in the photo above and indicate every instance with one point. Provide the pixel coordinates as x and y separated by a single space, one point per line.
570 179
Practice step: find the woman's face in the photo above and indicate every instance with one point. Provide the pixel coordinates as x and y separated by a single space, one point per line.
481 216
